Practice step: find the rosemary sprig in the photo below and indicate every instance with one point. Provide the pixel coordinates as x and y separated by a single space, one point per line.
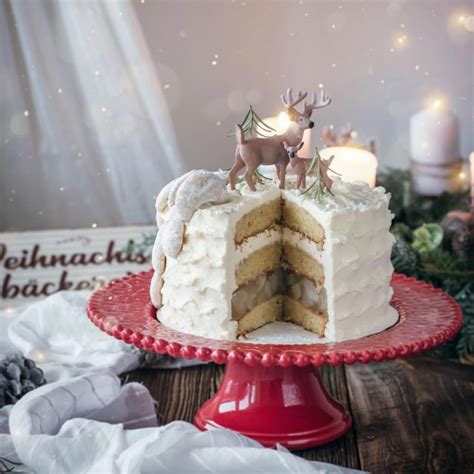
260 175
316 156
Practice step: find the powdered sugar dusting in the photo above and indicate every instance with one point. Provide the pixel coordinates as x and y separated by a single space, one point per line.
171 236
182 197
198 187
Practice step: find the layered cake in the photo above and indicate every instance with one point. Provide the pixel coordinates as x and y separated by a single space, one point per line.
228 262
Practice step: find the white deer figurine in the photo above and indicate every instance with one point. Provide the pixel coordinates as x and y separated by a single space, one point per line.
254 152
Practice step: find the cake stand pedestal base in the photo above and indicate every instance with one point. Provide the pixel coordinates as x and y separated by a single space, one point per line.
284 405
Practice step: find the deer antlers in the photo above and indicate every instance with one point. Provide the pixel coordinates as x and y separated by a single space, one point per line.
289 102
324 100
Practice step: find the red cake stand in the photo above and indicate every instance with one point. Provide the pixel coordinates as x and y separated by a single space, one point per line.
272 392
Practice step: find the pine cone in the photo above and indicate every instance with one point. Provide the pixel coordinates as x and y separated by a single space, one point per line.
18 376
451 225
404 258
463 242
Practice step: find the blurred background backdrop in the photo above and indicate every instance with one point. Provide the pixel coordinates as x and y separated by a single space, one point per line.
102 103
379 61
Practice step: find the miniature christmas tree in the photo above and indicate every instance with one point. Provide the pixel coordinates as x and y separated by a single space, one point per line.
322 183
254 126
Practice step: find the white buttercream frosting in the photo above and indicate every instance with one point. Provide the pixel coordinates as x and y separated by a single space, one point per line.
256 242
301 242
198 283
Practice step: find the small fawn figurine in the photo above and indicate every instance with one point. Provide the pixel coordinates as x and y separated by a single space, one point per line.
298 164
253 152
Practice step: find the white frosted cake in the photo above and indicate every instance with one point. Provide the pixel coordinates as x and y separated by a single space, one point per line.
229 262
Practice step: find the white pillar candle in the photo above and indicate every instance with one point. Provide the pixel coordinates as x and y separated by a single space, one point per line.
434 136
434 148
353 164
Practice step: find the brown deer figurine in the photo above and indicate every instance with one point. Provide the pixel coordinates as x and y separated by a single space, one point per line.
253 152
298 164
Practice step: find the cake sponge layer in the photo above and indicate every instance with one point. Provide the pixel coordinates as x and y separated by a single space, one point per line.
295 312
266 312
258 220
301 263
262 261
299 219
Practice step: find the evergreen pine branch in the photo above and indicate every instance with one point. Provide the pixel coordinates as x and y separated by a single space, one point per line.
440 267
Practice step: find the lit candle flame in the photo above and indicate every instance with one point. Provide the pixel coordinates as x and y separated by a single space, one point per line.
436 102
283 122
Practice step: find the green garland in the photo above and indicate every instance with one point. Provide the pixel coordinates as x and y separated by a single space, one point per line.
421 250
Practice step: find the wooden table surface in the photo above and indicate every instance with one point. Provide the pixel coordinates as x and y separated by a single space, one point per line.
413 416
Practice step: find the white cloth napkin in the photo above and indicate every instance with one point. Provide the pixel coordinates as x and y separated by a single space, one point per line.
86 422
56 333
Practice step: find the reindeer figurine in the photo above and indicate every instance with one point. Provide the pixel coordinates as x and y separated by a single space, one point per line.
254 152
298 164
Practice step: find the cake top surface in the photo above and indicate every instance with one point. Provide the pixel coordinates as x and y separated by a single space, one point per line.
205 193
346 197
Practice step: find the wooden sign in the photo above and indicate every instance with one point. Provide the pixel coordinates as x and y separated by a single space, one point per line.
38 264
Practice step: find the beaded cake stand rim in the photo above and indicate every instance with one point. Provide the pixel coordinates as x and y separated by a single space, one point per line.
122 310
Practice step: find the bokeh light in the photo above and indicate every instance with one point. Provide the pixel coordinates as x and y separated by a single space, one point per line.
400 41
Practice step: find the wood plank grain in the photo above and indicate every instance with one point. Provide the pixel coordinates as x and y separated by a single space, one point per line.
343 451
405 420
179 393
410 420
446 368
